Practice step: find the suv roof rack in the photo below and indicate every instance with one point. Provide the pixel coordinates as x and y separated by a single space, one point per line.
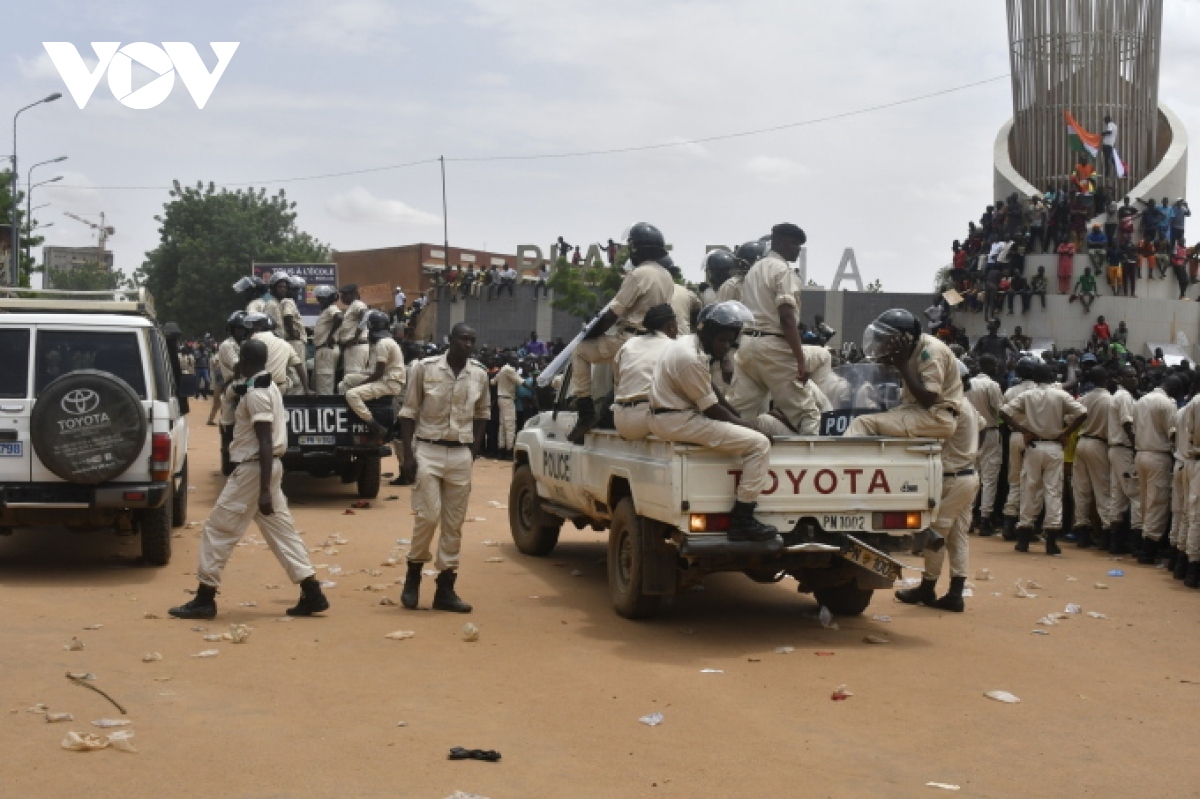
137 301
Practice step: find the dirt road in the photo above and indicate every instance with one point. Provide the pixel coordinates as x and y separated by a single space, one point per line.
557 682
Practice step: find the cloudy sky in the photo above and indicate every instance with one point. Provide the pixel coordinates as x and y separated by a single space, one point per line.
330 86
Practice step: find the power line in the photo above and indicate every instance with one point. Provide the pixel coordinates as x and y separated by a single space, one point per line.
588 153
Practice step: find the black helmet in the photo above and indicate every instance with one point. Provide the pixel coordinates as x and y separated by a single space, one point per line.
719 262
1026 366
645 243
235 321
252 283
728 315
748 254
377 324
894 331
258 322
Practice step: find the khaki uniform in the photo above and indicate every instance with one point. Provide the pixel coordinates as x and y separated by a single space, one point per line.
1179 481
685 304
1016 454
293 333
238 504
680 392
325 359
1091 477
633 372
731 289
274 309
444 407
986 398
765 368
356 353
506 382
359 392
1123 476
937 368
960 484
1046 412
835 390
256 306
1153 421
1191 453
281 359
227 358
646 286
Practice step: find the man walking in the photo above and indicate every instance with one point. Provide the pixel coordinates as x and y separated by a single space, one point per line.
506 382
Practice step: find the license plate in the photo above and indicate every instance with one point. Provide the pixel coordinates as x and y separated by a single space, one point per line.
871 560
12 449
844 523
318 441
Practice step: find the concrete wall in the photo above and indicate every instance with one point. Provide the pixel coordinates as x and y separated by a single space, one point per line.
506 321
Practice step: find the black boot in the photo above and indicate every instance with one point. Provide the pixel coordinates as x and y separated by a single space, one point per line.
923 594
203 606
1010 528
1193 575
445 598
1051 542
1148 556
585 420
953 600
1119 543
744 527
312 599
987 527
1173 559
1083 537
1104 540
411 594
1023 535
1181 566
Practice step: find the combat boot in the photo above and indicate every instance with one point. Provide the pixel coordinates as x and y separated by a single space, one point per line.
1119 543
1193 575
584 421
923 594
1148 556
987 527
445 598
1181 566
203 606
953 600
1051 542
410 595
1103 540
1010 528
312 599
1173 559
1083 537
1023 535
744 527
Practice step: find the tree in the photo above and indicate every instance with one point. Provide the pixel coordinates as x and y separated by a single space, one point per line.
90 276
26 264
875 287
583 290
209 239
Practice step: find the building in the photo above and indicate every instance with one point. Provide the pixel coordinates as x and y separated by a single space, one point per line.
57 260
410 266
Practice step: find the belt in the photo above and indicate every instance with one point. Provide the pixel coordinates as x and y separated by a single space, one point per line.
504 396
1097 438
236 464
759 333
660 411
963 473
632 331
447 444
632 403
1122 446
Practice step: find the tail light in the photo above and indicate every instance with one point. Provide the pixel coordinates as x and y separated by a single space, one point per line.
160 457
896 520
708 522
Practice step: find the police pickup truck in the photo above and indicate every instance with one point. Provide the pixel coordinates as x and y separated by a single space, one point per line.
841 506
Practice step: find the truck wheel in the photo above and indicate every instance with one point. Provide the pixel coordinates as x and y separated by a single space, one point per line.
534 531
155 526
846 599
369 473
625 564
179 506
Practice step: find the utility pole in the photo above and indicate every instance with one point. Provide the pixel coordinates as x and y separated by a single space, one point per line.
445 219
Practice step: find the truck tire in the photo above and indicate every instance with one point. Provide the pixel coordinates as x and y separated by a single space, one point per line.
180 503
846 599
88 426
625 564
369 474
534 531
154 524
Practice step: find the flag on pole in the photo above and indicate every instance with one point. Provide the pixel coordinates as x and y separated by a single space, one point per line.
1080 140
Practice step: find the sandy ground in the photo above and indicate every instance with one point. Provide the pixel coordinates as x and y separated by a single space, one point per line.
557 682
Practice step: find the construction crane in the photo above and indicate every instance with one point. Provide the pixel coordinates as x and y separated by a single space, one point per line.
103 231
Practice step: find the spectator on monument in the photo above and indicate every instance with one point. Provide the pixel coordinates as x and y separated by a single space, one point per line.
1108 140
576 257
959 258
1066 265
1021 341
991 293
1039 284
1193 263
1112 258
508 279
466 284
1151 219
1166 215
489 279
611 249
1147 252
1130 261
543 281
1081 177
1162 257
994 344
1179 214
1126 215
1037 225
1019 287
400 299
1081 211
1179 267
535 347
1101 334
1085 289
1097 248
1004 293
450 275
563 247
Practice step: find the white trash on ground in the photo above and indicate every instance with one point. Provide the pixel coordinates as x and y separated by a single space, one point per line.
652 719
151 657
470 633
1002 696
121 740
1022 592
945 786
826 619
400 635
207 653
53 718
74 645
1073 608
784 650
106 724
1096 615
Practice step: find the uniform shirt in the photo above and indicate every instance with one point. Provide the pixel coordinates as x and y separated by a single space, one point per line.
258 405
388 352
506 382
1189 429
280 356
1045 411
937 369
273 309
1183 434
324 327
444 405
731 289
1018 390
682 379
770 283
960 451
1096 402
293 325
256 306
646 286
633 366
986 399
227 357
1153 420
1120 412
349 333
685 303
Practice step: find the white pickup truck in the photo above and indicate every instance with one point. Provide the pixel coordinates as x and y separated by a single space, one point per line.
840 504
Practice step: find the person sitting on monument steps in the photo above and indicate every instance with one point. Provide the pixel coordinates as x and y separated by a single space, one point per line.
633 371
932 387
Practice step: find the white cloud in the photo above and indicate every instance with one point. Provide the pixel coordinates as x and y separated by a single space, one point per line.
348 25
359 206
41 67
770 169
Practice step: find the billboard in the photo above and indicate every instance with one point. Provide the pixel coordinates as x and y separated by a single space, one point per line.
314 275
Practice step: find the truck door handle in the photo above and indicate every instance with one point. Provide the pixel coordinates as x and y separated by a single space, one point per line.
551 435
12 408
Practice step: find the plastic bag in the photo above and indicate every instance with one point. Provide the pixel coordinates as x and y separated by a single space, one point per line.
1022 593
54 718
1002 696
470 633
207 653
652 719
400 635
84 742
238 633
106 724
826 619
1073 608
840 694
1096 615
151 657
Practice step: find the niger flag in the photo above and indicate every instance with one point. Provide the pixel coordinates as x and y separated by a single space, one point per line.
1082 141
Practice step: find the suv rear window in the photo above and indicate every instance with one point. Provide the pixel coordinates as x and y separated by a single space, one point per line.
14 363
63 351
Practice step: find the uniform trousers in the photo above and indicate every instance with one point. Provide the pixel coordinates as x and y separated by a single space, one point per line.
235 509
990 460
1042 482
1016 458
298 347
953 522
1179 504
633 423
325 365
1192 548
355 358
359 392
1091 482
765 368
508 422
440 495
601 349
1154 490
1124 484
752 448
905 421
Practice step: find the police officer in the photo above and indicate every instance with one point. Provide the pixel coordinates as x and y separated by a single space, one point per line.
1122 476
633 371
718 266
280 286
932 387
1046 417
325 358
350 336
506 382
253 492
387 379
1153 422
293 323
647 285
225 366
685 408
984 394
281 359
745 256
685 302
446 410
1016 448
770 362
1091 477
253 291
1191 453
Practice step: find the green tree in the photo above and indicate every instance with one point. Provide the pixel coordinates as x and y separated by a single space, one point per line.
26 241
90 276
209 239
583 290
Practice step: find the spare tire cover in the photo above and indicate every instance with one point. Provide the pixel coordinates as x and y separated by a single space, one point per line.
88 426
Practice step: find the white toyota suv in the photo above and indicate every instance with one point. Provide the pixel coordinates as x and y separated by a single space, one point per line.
91 433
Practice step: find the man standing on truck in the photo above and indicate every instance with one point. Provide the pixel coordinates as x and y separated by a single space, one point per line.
446 410
633 372
506 382
387 380
770 363
325 359
684 408
253 492
649 284
352 340
253 290
280 284
293 324
281 359
932 388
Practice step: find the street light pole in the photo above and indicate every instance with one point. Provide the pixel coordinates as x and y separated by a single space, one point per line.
12 273
29 201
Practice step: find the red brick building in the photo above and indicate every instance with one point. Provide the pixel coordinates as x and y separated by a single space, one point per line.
411 266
